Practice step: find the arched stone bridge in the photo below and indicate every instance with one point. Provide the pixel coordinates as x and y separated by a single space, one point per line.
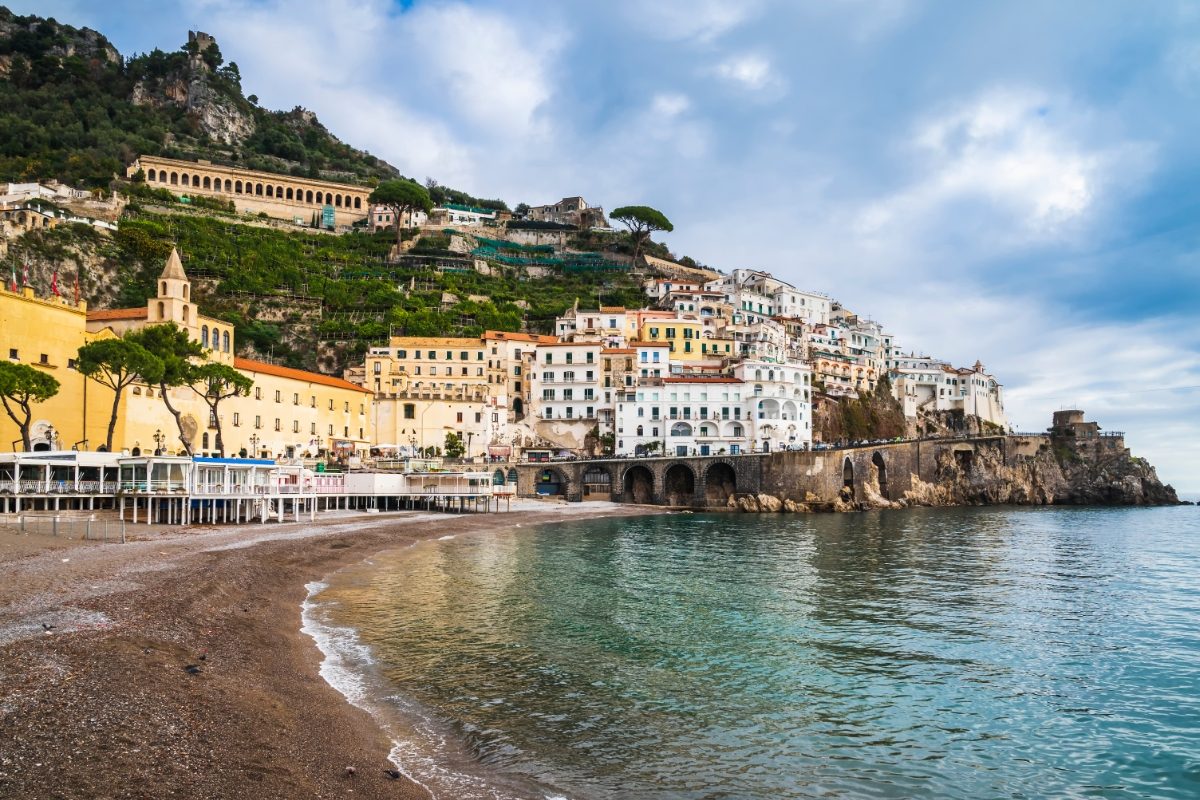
709 481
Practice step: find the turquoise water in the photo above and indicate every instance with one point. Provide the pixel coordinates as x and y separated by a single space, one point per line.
937 653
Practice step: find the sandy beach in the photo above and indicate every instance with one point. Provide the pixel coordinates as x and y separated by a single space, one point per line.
96 698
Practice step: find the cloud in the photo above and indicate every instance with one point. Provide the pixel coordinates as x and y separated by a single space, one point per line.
497 74
750 71
698 20
1017 153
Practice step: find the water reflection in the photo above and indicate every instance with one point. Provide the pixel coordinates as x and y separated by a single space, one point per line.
955 653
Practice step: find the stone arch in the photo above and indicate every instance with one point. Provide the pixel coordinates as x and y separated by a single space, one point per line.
308 196
204 336
270 190
151 175
258 189
512 475
679 485
185 314
498 478
720 484
848 478
186 291
163 291
881 469
597 483
237 187
278 192
320 195
228 186
174 178
639 485
289 194
162 310
518 406
207 182
681 429
358 202
337 200
184 180
551 482
789 410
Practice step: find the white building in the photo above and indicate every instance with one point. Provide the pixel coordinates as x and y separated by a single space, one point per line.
684 415
780 404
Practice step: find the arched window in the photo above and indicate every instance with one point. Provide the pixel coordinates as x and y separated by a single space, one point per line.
150 176
183 179
270 190
289 193
319 196
337 200
204 441
279 192
237 187
639 430
204 336
225 341
308 196
185 314
758 374
174 178
228 185
162 310
358 202
258 189
163 293
185 291
207 182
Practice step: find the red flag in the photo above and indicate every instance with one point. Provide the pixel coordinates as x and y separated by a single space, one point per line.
54 284
25 276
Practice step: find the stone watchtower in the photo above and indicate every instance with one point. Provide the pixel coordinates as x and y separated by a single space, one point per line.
174 301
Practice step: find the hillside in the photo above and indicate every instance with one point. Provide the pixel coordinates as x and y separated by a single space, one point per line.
72 108
312 300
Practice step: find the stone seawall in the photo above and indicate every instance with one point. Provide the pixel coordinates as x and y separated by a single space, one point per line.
1020 470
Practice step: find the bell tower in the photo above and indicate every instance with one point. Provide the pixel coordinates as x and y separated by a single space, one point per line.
174 300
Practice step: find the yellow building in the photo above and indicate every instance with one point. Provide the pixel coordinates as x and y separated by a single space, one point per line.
288 413
46 333
687 338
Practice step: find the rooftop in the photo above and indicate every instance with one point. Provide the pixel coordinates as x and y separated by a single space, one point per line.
296 374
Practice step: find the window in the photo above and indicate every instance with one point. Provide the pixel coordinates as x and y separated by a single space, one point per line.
464 355
313 429
433 370
295 426
331 404
549 358
378 367
589 394
568 394
278 396
257 422
431 355
313 401
404 354
295 398
410 411
225 341
591 358
347 407
417 354
331 430
258 393
278 424
459 417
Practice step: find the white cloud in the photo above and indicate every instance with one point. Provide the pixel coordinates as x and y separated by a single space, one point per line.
670 104
750 71
498 74
1015 151
699 20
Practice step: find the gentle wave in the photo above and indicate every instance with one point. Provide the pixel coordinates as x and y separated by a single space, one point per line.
948 653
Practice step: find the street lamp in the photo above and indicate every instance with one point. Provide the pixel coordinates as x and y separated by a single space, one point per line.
158 442
254 445
51 435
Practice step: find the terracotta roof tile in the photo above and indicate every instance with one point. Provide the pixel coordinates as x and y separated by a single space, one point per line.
296 374
117 313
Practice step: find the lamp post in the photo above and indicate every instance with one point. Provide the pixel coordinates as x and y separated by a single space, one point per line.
470 435
254 445
158 442
51 435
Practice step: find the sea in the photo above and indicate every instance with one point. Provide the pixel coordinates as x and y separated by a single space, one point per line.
945 653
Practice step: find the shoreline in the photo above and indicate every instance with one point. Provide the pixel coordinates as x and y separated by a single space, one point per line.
101 704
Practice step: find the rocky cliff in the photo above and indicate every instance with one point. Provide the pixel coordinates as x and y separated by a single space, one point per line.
1056 475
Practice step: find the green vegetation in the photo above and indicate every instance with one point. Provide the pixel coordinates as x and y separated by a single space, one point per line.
403 197
215 383
73 117
21 386
118 364
641 222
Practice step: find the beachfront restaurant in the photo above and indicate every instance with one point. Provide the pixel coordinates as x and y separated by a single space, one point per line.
54 480
156 486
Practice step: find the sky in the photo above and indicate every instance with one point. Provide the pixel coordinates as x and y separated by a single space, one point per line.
1014 182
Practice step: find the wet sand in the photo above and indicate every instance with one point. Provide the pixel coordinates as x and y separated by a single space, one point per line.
95 640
